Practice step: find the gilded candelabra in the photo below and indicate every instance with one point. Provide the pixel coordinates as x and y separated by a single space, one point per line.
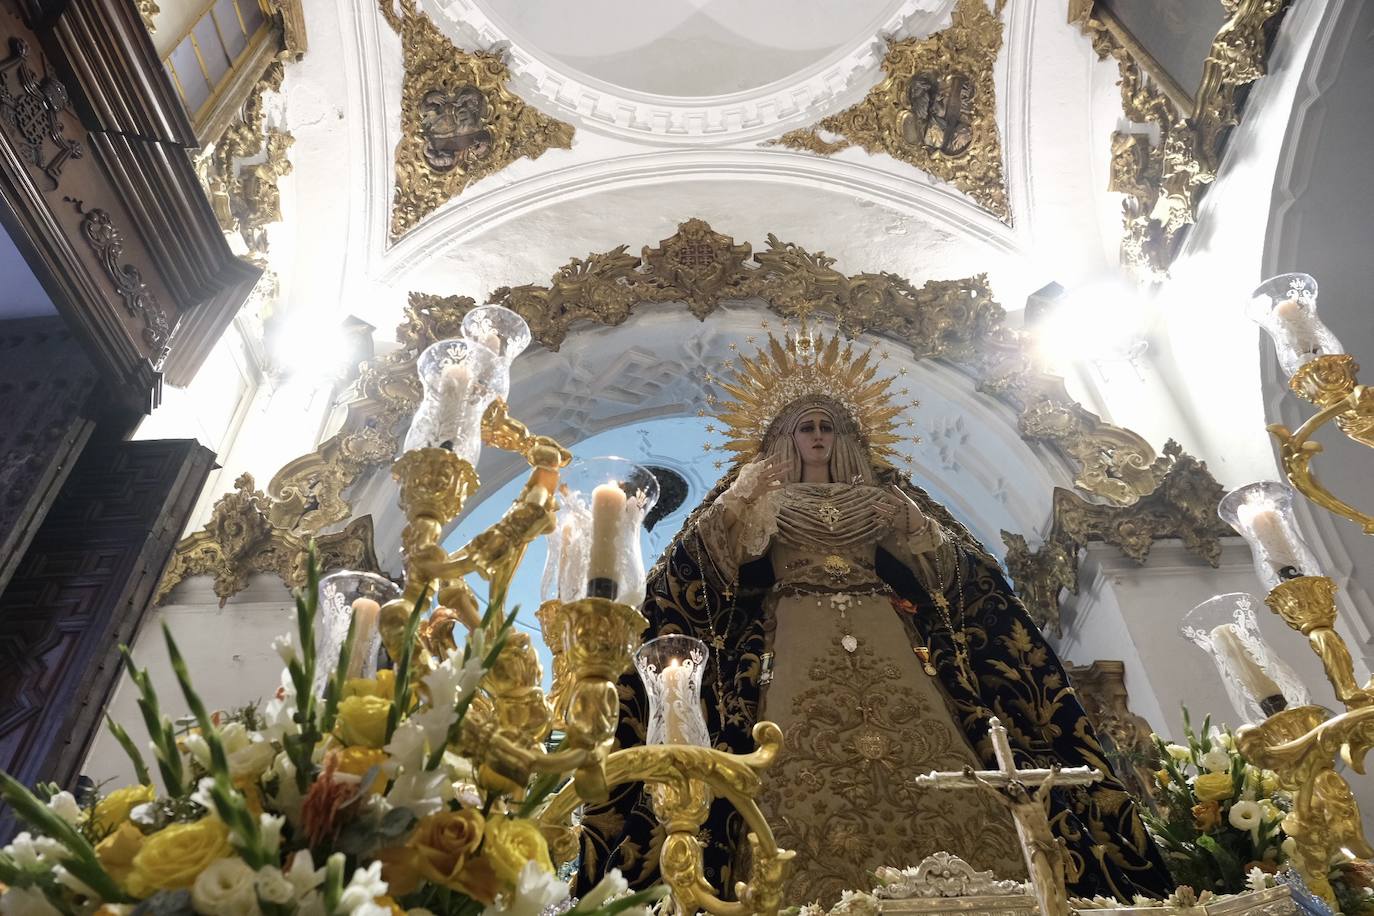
1302 743
592 639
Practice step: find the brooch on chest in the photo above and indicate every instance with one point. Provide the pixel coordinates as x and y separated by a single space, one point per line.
829 514
837 567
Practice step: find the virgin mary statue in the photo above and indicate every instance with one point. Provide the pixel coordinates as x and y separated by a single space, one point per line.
846 605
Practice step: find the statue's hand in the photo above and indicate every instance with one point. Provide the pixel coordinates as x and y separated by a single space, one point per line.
760 477
916 521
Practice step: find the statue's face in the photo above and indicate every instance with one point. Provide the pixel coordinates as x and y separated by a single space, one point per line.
815 438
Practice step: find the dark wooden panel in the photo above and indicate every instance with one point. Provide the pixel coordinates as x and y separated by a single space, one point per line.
82 589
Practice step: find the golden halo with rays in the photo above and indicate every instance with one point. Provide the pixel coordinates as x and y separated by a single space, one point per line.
801 364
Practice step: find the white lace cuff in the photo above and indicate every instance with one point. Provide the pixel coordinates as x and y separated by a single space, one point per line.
755 522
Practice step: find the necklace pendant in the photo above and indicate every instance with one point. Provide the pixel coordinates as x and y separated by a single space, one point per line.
929 669
829 514
940 601
850 643
718 642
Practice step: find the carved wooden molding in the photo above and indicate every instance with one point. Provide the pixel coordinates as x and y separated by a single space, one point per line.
936 109
1183 506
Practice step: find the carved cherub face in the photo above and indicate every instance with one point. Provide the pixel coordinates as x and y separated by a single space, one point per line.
815 437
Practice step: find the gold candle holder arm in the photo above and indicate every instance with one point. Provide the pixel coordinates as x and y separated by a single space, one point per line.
1308 605
505 432
682 779
1330 383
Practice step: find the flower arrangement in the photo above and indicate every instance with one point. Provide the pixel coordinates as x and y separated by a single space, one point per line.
352 803
1221 823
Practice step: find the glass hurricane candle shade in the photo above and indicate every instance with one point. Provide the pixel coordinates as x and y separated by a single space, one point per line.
1262 513
346 596
459 380
671 668
595 548
504 333
1258 682
1286 307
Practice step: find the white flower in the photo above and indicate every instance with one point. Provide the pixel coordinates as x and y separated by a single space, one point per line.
227 887
269 828
408 745
1178 752
287 798
26 901
202 795
1216 761
1256 880
1246 815
251 760
535 891
367 884
31 852
423 792
855 903
285 646
613 885
198 748
278 713
303 873
453 680
273 887
1289 848
64 805
73 883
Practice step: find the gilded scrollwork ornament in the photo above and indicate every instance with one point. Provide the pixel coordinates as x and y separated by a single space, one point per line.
459 119
1163 180
935 109
240 541
1182 506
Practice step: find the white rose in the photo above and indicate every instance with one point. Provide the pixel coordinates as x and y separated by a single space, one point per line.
64 805
26 901
367 884
1245 815
225 888
251 760
535 891
273 886
1216 761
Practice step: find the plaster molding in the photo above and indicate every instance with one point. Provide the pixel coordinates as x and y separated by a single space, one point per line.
468 218
827 86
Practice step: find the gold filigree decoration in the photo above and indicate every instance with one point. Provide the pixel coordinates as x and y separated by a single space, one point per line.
1182 506
954 320
239 541
459 120
936 109
148 10
241 169
1125 736
1163 182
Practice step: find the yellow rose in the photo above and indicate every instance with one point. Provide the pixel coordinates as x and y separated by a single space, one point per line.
172 858
356 761
362 721
442 843
1162 777
383 685
1214 787
113 809
512 843
116 852
1207 815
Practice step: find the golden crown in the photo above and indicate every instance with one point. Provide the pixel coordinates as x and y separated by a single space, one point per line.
804 364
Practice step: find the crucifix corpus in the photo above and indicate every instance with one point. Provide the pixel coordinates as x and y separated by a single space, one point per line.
1026 793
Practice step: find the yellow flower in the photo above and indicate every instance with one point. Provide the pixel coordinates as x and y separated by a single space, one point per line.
1207 815
1214 787
1162 777
113 809
1269 782
356 761
116 852
383 686
440 851
172 858
512 843
362 721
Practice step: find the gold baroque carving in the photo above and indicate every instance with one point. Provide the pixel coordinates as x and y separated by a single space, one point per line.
954 320
148 10
936 109
1163 182
239 541
1183 506
459 121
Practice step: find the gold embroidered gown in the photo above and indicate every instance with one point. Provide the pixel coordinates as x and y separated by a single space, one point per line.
859 714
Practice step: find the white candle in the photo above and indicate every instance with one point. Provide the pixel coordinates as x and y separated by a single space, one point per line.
1288 310
492 341
1230 647
608 511
455 380
365 614
1265 525
677 681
